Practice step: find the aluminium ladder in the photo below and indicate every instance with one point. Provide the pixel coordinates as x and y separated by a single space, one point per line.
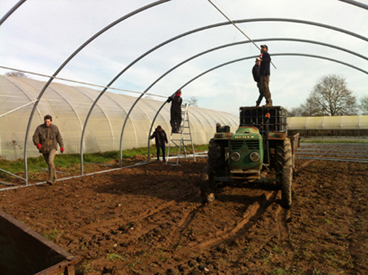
178 139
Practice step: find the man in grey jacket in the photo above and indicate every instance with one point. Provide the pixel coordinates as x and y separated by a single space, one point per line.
46 137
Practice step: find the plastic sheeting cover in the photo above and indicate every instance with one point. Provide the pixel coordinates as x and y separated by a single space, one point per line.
69 106
328 123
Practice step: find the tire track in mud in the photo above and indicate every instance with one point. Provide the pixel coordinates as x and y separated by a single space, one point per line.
283 217
250 216
177 231
120 224
116 232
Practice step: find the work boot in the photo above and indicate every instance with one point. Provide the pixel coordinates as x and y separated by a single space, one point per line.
257 104
52 176
269 104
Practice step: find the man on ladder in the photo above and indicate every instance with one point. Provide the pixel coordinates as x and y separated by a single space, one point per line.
185 137
175 111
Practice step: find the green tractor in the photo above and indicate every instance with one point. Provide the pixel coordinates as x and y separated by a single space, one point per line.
260 150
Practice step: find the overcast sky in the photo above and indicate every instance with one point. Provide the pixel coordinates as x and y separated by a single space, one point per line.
42 34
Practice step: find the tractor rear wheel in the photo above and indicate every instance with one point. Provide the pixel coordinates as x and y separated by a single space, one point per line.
285 171
215 166
286 183
207 186
215 156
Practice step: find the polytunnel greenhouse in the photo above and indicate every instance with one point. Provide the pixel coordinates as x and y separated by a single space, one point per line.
154 48
69 106
325 126
247 200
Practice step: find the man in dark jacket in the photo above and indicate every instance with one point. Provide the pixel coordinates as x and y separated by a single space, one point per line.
265 74
160 139
256 77
46 137
175 111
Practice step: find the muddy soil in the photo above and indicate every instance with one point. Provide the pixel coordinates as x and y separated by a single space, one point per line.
150 220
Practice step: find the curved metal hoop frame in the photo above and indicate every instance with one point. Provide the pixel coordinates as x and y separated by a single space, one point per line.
217 48
242 59
13 9
355 3
67 61
16 6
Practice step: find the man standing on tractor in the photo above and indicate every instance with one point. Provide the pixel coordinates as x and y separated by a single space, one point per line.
175 111
46 137
256 77
265 74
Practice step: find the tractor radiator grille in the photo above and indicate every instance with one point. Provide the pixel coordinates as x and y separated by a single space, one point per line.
253 144
236 144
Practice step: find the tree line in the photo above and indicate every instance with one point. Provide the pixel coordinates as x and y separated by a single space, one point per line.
331 97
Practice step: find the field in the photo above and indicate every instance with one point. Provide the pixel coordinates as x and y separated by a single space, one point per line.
150 220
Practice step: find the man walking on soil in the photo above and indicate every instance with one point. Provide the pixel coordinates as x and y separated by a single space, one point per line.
160 139
265 74
46 137
175 111
256 77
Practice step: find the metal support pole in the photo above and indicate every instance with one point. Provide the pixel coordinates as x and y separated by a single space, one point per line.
67 61
13 9
213 26
356 3
275 54
237 27
103 91
184 34
210 50
20 107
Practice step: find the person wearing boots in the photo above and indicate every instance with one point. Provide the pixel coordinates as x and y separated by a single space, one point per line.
160 139
46 137
175 111
265 74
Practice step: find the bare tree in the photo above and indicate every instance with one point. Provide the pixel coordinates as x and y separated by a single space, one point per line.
296 111
330 97
16 74
311 108
193 101
364 105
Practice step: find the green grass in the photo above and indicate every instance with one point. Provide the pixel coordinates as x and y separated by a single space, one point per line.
53 235
71 162
114 256
278 271
83 268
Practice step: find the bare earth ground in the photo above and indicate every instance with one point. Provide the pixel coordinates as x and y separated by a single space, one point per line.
150 220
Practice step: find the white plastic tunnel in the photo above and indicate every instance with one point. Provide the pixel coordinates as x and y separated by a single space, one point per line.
69 106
